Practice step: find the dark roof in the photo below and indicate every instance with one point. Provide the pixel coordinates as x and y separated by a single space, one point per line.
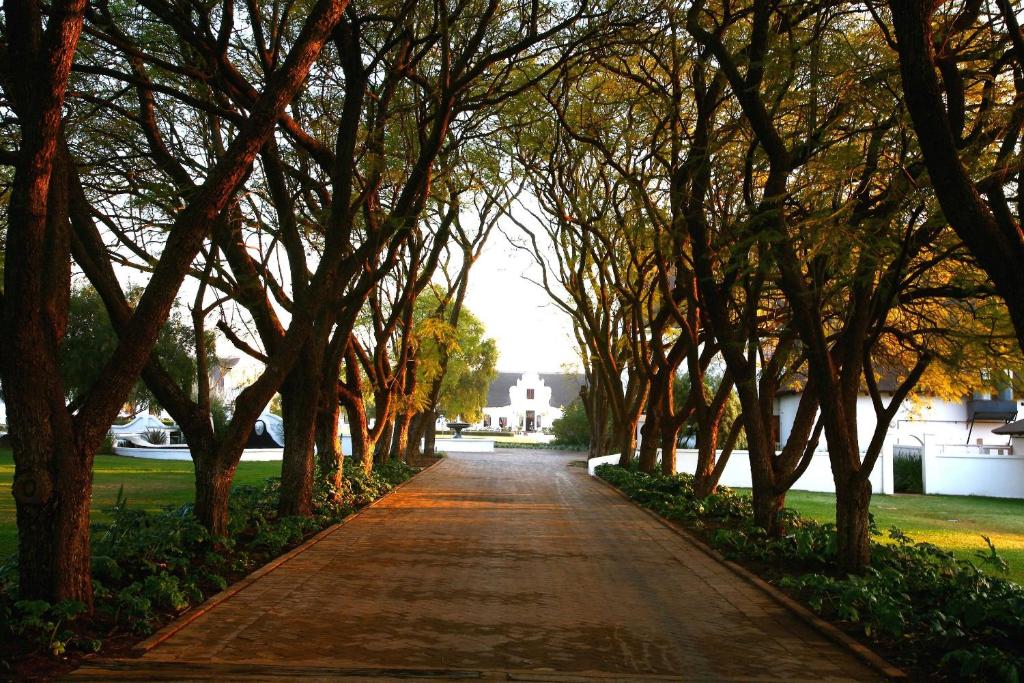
497 393
1014 428
888 383
565 387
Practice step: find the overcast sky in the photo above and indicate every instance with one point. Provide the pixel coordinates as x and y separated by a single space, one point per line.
532 334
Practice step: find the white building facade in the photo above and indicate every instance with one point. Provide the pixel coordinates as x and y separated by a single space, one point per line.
968 422
529 401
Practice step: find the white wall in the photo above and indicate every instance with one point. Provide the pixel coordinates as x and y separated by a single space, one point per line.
916 418
959 470
818 476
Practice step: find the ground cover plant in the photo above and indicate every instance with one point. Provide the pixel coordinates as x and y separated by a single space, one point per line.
953 523
151 561
924 608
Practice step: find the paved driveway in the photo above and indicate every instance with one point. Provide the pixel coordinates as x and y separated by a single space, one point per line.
506 566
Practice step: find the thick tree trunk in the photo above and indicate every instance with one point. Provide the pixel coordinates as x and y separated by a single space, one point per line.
627 441
853 499
650 440
362 445
53 464
597 417
704 481
400 439
669 445
213 487
382 450
430 434
768 510
768 502
417 429
300 403
53 528
330 456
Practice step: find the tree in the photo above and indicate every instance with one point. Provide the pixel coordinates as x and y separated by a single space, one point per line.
968 126
471 359
53 449
90 339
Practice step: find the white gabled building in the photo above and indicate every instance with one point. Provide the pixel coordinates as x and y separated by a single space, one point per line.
528 401
970 422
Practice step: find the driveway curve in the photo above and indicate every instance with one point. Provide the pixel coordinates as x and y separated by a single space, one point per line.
507 566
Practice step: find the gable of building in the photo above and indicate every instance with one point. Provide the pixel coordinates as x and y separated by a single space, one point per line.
565 388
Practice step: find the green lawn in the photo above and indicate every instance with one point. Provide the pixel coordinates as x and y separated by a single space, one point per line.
951 522
148 484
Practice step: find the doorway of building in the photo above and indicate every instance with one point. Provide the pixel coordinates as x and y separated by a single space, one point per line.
531 418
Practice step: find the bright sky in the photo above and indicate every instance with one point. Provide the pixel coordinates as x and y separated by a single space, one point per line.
532 334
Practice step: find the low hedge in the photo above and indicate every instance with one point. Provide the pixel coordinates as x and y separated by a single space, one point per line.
149 567
538 446
940 617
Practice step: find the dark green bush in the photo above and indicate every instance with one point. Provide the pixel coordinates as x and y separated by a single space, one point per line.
943 616
573 428
907 474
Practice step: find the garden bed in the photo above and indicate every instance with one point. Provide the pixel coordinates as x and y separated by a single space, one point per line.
937 616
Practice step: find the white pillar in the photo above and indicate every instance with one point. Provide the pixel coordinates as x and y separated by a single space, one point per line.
885 458
928 452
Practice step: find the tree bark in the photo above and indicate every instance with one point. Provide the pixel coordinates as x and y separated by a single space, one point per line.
853 498
213 488
650 437
430 434
627 441
329 453
300 403
362 444
382 449
417 429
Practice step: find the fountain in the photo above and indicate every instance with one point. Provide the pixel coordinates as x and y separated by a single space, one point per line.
457 427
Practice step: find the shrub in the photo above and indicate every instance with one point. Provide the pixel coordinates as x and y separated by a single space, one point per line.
573 428
156 436
906 473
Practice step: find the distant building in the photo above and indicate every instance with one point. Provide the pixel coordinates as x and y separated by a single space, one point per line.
529 401
973 421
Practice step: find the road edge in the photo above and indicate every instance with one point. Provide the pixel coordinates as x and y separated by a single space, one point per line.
202 608
827 630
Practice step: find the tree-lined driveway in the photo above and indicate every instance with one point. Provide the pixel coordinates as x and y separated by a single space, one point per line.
507 566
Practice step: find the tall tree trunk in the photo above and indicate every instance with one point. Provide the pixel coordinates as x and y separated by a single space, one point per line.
853 499
362 444
768 501
430 434
53 465
300 403
650 440
400 439
382 450
417 429
627 440
53 524
669 445
329 452
213 488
